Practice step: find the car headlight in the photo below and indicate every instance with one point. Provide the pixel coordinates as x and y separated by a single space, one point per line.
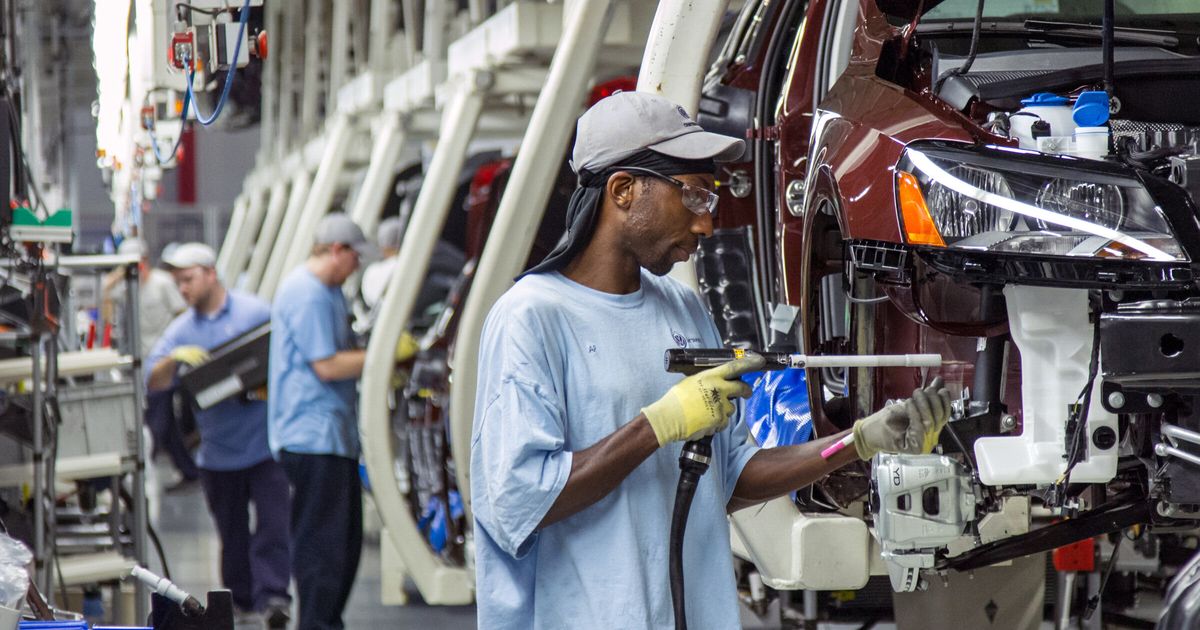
960 216
1006 201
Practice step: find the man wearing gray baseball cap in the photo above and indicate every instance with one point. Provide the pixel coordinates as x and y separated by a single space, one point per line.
313 419
578 428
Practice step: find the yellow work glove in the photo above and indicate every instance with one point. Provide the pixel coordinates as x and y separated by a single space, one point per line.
190 355
407 347
909 427
699 405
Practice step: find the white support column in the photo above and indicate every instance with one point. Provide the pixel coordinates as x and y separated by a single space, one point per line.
239 256
477 10
438 583
385 156
270 89
314 59
292 25
320 194
264 245
339 53
676 57
412 28
287 231
434 40
674 66
521 208
237 224
382 30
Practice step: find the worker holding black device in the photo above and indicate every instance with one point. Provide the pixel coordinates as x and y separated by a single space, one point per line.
578 428
236 467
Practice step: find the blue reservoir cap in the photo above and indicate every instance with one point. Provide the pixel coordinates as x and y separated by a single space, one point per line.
1045 99
1091 109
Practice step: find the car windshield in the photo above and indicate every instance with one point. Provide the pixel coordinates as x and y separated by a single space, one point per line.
1140 13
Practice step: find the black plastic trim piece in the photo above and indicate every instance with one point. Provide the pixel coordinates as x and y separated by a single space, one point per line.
1102 520
906 9
997 268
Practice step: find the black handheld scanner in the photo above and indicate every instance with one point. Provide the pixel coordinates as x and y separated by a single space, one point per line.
692 360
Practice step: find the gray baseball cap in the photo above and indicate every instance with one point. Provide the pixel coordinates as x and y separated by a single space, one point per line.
389 233
190 255
336 227
625 123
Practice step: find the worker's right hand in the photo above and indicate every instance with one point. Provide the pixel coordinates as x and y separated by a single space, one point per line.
700 405
189 355
910 427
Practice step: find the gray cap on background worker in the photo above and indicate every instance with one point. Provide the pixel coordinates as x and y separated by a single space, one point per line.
389 236
339 228
375 275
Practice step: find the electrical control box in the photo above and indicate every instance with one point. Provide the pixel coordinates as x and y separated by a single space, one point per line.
226 44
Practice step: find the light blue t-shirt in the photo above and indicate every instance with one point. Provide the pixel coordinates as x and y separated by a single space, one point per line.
233 433
309 322
562 366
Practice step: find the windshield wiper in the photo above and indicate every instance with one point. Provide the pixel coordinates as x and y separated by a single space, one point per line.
1057 30
1153 37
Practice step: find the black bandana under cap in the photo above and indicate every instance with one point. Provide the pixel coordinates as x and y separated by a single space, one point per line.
584 206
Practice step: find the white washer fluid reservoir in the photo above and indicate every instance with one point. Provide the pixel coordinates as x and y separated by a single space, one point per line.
1052 108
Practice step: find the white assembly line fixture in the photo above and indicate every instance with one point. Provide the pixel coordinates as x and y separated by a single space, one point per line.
488 65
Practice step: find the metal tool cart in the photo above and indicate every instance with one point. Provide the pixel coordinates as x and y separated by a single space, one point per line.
82 415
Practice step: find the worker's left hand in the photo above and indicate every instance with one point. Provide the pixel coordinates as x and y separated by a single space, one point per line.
190 355
908 427
407 347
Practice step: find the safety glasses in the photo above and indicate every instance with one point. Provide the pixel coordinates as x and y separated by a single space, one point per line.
698 199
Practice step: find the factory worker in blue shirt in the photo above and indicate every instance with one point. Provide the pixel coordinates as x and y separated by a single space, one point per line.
314 371
578 428
236 467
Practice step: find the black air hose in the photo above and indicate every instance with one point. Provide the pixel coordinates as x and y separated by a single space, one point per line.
693 463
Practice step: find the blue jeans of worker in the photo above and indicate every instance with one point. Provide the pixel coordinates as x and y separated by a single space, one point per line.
255 566
326 534
160 417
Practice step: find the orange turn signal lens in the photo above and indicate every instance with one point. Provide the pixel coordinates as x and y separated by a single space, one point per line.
918 223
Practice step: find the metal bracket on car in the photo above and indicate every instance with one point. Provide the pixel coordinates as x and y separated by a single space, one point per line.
794 196
1174 436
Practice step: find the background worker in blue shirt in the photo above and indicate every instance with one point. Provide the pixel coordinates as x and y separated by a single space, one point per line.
578 429
159 304
236 468
314 367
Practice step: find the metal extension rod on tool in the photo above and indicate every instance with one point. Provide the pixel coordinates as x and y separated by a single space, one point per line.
696 454
166 588
176 609
690 361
